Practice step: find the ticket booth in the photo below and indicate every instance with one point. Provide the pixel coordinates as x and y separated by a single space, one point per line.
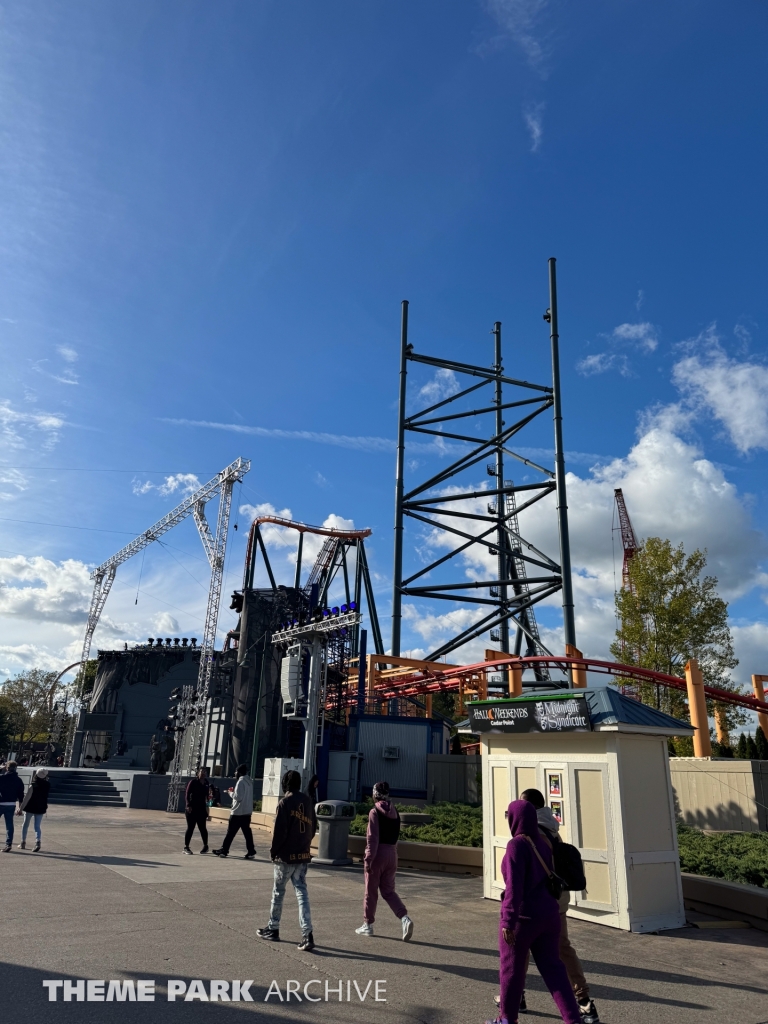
601 761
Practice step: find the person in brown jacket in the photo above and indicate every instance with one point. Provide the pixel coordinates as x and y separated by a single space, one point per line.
295 827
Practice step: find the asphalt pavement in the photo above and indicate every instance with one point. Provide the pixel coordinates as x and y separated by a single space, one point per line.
111 897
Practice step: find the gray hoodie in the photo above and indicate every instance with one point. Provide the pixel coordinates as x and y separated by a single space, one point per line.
547 820
242 798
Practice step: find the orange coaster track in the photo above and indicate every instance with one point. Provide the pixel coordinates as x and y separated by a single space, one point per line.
411 681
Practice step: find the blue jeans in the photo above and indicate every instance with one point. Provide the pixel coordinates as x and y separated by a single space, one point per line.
28 816
298 875
8 811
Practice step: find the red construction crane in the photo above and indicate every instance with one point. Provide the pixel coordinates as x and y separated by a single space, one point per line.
628 538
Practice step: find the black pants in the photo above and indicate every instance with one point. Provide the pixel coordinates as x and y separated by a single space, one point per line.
196 818
237 822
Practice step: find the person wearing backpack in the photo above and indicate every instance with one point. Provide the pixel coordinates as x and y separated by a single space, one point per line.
530 918
34 806
549 828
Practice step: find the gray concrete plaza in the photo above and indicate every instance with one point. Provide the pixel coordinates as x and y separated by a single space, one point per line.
111 896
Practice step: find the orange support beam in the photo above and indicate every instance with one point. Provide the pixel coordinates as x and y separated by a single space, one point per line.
516 680
578 672
697 709
759 691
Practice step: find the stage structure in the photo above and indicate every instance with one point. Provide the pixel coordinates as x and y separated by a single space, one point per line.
339 577
450 504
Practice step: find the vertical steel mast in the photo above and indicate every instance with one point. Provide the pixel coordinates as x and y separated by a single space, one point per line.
398 568
462 516
501 511
569 621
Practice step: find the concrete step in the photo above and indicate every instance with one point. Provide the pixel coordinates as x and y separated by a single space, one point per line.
85 788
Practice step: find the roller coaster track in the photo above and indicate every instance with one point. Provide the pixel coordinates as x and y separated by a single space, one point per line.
431 680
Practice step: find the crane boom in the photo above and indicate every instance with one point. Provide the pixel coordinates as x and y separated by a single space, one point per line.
194 505
628 538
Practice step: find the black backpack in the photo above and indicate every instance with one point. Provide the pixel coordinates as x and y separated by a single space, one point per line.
569 866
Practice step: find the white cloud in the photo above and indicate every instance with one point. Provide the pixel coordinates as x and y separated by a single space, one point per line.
533 115
520 19
41 590
734 392
67 353
361 444
601 362
18 430
642 337
186 483
751 645
166 623
12 478
444 384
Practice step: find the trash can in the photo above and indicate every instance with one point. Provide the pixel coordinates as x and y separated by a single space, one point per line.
333 818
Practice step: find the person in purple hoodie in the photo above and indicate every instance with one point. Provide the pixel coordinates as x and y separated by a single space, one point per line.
380 862
530 919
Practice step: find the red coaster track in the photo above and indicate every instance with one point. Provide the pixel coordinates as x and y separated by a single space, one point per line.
430 680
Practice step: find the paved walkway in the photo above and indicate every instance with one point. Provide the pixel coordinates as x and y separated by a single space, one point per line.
112 897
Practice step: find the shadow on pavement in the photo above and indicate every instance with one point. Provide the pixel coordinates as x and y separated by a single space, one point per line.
668 977
22 989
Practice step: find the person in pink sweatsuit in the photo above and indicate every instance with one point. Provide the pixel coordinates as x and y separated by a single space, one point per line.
380 862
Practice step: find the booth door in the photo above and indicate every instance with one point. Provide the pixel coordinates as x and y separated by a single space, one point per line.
591 833
507 781
499 772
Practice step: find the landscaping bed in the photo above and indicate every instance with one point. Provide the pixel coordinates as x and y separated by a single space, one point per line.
735 856
452 824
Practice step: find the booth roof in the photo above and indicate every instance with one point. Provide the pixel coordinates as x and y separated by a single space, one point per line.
609 707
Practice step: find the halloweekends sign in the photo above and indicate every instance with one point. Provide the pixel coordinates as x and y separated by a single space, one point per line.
561 715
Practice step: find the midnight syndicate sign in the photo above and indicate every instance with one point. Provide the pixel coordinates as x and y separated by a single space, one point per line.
564 715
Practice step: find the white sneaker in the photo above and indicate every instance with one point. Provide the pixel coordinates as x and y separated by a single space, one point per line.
407 928
364 929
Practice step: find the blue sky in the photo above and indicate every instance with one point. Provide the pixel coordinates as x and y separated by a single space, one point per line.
212 211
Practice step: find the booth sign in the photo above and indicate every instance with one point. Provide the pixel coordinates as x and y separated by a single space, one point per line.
559 715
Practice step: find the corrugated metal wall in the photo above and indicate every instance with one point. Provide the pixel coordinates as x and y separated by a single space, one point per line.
409 771
454 778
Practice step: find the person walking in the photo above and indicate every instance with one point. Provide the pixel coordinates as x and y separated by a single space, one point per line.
549 827
240 816
11 795
34 806
295 827
312 788
529 919
380 862
196 809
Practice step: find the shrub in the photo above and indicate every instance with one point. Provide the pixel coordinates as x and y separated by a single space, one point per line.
734 856
452 824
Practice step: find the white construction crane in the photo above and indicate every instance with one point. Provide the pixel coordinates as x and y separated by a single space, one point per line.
215 549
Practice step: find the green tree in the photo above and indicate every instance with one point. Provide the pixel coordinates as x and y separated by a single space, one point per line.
85 679
761 744
445 704
669 614
28 699
741 747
